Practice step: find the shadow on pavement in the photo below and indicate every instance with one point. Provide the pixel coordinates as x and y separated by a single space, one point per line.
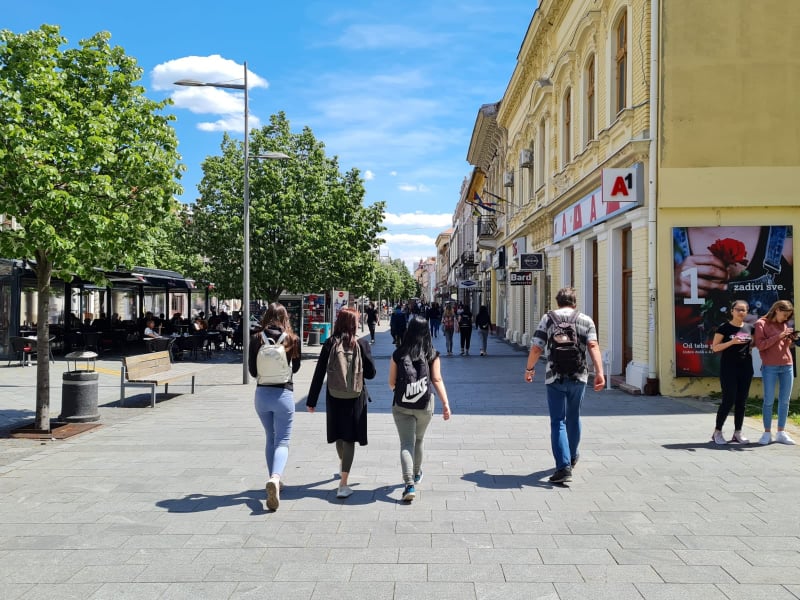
510 482
693 446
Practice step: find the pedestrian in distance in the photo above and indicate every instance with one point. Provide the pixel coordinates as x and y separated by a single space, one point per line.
397 324
733 341
482 323
274 397
775 340
346 413
415 371
566 375
372 320
449 327
464 318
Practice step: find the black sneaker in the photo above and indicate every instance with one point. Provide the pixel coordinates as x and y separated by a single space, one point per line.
574 461
561 475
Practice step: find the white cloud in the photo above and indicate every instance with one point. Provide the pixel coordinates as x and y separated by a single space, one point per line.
418 219
371 37
393 173
209 100
211 69
369 175
409 239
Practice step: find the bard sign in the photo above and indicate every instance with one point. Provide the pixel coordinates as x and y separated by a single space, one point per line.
521 277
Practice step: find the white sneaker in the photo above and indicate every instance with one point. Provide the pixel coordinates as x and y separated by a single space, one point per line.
344 491
273 493
766 438
718 438
738 438
783 438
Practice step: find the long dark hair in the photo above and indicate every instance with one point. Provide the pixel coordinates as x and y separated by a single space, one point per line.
417 342
345 327
277 315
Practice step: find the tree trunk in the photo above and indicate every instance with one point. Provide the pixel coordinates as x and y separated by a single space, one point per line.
44 270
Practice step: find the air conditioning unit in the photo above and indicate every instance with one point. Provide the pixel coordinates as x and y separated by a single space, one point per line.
526 158
508 179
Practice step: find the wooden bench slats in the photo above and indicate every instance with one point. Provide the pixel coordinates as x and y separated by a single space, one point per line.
151 370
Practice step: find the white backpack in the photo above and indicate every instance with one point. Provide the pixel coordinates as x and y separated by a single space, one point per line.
272 365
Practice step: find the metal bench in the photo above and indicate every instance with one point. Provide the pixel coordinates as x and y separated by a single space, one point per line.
151 370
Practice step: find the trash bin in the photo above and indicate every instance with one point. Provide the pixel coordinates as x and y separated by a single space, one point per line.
79 390
324 330
313 338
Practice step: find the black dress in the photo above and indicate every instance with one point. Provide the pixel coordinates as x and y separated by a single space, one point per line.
346 417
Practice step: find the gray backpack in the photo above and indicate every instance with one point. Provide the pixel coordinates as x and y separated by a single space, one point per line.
345 370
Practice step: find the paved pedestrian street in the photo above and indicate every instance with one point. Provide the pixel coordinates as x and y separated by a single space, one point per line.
169 502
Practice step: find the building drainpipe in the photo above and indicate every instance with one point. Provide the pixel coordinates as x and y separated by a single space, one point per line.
652 385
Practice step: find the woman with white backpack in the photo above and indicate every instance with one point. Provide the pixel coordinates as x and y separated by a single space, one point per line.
274 358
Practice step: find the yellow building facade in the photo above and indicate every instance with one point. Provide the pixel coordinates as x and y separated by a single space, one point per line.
729 169
634 138
576 107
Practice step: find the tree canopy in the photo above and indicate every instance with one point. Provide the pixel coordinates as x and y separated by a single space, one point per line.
309 227
88 164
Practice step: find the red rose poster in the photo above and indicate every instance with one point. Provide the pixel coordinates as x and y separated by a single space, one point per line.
713 266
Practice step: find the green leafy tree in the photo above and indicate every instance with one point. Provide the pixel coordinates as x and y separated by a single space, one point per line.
309 228
88 165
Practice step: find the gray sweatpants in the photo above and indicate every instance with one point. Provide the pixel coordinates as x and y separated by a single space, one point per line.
411 426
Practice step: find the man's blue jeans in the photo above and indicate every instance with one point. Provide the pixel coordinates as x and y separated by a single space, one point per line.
782 375
564 400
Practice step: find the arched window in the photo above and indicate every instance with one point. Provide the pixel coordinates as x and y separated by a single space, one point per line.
566 132
589 105
621 62
540 156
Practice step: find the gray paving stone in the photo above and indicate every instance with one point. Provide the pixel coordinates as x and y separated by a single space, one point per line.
673 591
60 591
761 591
597 591
693 574
192 591
177 492
126 591
435 590
515 591
354 590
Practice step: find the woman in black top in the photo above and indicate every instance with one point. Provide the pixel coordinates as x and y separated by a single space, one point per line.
733 341
346 417
275 402
464 319
482 322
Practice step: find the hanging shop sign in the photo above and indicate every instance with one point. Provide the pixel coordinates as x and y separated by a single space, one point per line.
468 284
532 262
520 277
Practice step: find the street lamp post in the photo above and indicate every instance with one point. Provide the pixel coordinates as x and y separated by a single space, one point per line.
245 211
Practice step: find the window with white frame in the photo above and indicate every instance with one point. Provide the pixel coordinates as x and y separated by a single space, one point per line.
566 129
589 120
620 92
540 154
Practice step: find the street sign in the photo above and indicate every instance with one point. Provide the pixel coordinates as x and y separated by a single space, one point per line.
520 277
532 262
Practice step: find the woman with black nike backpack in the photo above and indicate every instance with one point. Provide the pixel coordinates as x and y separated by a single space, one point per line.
414 371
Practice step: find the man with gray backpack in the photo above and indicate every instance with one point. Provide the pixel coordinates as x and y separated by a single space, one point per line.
566 334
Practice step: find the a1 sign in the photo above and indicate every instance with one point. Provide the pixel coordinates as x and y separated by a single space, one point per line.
623 185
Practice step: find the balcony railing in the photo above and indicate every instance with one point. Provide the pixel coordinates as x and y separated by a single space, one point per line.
487 225
468 258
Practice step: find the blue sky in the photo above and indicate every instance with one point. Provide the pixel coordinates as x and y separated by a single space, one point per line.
391 88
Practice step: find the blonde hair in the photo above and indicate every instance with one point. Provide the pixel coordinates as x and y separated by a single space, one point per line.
783 305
